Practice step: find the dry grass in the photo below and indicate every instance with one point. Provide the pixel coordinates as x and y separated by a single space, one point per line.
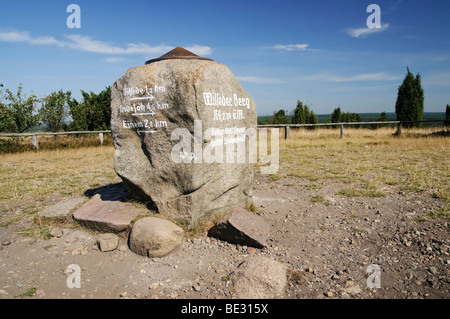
361 163
367 160
29 180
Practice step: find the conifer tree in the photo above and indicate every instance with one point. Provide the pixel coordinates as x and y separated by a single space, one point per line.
410 100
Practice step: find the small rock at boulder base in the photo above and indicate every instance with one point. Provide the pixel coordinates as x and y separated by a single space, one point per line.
243 228
260 277
155 237
108 242
56 232
184 133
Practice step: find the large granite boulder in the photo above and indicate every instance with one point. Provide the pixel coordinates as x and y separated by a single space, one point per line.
180 127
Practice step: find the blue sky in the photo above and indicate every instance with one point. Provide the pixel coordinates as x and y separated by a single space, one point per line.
320 52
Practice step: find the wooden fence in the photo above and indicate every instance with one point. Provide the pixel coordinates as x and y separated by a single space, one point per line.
399 124
34 136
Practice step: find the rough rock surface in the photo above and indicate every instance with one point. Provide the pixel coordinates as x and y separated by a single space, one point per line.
164 117
62 210
243 228
155 237
260 278
108 242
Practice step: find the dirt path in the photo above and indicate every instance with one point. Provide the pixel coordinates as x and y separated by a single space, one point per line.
327 240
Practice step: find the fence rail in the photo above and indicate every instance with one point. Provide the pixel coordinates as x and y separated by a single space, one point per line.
341 125
34 136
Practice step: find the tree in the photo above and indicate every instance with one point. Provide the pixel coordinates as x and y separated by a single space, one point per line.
410 99
382 118
301 112
280 117
336 115
18 114
351 117
54 110
302 115
93 113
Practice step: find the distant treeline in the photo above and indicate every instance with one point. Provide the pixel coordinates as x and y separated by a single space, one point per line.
56 112
365 117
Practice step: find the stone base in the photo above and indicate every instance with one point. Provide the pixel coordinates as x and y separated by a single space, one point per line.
106 213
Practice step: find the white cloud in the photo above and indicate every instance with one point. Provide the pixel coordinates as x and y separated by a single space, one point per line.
88 44
24 36
380 76
291 47
200 50
114 60
363 32
85 43
256 79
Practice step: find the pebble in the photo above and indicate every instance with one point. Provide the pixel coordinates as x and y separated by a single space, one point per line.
196 287
154 286
432 269
56 232
6 242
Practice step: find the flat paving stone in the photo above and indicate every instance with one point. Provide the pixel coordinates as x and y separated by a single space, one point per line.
106 215
61 210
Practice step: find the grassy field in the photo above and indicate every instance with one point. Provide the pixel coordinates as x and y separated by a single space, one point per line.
364 161
368 160
30 180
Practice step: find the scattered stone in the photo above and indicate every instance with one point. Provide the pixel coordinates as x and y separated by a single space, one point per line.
154 286
243 228
432 269
349 283
196 287
296 276
6 242
186 94
260 277
329 294
335 277
251 251
56 232
62 210
106 215
108 242
155 237
352 289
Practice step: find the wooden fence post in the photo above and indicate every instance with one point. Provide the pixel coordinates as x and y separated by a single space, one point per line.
399 129
342 130
286 132
35 142
100 136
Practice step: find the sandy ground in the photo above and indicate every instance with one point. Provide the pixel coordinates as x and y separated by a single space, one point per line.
339 247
